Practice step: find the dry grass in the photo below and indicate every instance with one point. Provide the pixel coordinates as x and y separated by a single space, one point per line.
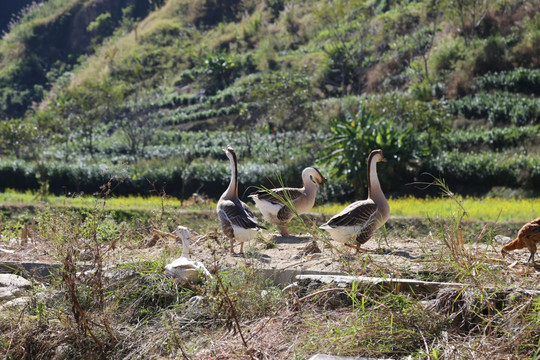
136 312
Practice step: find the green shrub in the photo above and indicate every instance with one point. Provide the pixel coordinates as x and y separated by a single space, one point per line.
353 138
495 139
472 172
499 108
519 80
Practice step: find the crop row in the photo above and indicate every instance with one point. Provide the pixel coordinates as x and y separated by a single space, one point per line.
499 108
183 117
519 80
209 177
174 99
496 139
471 171
486 170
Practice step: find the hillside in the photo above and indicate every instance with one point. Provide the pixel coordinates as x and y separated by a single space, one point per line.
148 93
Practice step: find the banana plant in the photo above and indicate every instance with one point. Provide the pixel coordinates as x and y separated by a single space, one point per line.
354 137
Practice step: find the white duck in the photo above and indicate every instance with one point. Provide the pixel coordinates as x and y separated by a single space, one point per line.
355 224
237 220
274 204
184 269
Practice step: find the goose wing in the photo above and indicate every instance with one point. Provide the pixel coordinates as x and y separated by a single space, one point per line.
360 213
237 213
361 216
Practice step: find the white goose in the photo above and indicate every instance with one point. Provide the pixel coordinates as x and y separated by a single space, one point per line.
236 218
273 202
183 269
355 224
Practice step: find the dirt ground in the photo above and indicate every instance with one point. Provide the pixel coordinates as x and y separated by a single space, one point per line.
404 250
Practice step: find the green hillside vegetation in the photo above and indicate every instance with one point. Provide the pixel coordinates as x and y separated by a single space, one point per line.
148 93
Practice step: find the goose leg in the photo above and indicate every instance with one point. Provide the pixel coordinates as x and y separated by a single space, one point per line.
358 248
284 231
241 248
232 246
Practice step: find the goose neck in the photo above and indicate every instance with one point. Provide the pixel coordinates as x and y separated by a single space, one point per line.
185 248
309 185
374 186
232 190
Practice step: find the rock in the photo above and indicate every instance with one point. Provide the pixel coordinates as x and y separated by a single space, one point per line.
8 293
12 286
14 281
16 303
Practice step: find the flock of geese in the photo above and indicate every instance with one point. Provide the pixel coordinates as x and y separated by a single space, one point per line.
353 226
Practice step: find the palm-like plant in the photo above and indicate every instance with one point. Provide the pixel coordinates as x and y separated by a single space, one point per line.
353 138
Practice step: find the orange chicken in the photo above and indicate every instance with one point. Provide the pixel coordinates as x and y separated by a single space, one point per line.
528 236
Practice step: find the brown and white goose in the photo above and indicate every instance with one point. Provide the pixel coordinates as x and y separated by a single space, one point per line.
355 224
236 218
274 203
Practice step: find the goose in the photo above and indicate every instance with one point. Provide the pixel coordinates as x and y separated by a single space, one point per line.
236 218
274 203
355 224
184 269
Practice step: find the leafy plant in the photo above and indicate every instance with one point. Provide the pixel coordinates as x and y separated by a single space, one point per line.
353 138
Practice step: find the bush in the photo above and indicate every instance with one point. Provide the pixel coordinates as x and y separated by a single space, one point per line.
499 108
482 171
353 138
495 139
519 80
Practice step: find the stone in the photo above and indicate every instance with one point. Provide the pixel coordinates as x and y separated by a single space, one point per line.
14 281
11 286
16 303
9 293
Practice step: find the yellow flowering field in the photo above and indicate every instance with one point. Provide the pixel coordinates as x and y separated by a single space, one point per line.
485 209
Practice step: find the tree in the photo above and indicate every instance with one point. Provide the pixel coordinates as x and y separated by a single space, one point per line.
469 15
85 106
136 123
284 99
18 137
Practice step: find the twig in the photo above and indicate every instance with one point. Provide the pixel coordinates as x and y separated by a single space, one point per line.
234 315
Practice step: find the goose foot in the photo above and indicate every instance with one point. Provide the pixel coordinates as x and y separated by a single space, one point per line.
358 248
284 231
